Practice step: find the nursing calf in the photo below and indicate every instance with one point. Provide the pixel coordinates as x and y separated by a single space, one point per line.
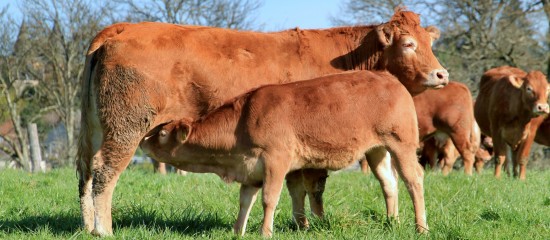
508 100
325 123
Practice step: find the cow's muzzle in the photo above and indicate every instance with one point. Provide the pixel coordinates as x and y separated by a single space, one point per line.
437 79
541 109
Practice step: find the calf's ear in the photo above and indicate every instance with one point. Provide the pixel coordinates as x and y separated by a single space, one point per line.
183 132
385 34
515 81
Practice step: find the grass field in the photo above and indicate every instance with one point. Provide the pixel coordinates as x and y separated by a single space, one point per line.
201 206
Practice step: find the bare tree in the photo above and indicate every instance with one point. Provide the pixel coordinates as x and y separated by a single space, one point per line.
12 66
546 9
354 12
61 31
237 14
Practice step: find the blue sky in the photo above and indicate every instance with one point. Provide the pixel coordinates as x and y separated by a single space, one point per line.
284 14
276 14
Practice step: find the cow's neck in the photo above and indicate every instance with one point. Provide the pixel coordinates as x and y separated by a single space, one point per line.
362 51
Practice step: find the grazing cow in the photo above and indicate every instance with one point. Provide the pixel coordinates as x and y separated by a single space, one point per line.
138 76
508 99
327 123
448 113
484 154
441 150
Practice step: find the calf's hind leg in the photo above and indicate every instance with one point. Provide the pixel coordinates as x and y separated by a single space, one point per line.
380 163
406 164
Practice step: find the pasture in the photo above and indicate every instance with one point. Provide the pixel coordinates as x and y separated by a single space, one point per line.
201 206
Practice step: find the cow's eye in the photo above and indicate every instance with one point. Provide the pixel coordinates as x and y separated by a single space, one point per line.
529 89
408 45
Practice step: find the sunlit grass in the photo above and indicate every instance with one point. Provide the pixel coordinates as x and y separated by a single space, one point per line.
201 206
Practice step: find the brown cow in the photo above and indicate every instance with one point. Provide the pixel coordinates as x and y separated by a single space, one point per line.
439 151
138 76
449 113
508 99
328 122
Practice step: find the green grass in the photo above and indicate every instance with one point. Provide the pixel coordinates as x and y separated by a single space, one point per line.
201 206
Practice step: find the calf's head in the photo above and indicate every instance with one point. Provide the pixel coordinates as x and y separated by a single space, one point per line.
164 141
534 92
408 52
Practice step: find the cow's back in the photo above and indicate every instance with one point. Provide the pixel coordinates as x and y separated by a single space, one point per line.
189 70
450 107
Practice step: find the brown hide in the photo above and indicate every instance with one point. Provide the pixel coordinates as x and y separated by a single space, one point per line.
508 99
449 112
325 123
138 76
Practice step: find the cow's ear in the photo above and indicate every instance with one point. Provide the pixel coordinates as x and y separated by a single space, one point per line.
183 132
434 32
385 34
515 81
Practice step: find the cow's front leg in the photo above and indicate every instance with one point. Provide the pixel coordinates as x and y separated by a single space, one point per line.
246 201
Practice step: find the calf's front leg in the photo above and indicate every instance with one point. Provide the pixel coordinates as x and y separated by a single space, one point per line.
246 201
276 168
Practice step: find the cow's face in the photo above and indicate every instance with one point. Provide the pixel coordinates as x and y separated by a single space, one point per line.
408 54
534 88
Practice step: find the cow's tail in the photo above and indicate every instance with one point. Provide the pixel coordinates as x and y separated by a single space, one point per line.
84 157
475 136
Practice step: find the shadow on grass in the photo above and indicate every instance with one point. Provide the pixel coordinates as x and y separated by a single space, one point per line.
185 222
56 224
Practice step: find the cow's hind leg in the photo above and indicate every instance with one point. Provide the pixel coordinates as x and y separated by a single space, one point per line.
380 163
85 194
125 113
109 162
461 140
406 164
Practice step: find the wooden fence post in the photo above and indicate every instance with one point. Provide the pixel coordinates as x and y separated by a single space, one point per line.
36 157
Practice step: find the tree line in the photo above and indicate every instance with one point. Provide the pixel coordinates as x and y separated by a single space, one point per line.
42 52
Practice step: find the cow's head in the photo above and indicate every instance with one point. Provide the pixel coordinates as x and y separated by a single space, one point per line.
534 92
408 52
164 141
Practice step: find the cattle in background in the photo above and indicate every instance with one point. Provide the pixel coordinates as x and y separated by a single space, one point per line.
445 117
448 113
508 100
484 154
138 76
326 123
439 151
